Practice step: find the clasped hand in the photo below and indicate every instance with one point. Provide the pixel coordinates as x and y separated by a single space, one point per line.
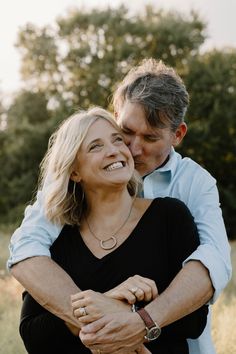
107 322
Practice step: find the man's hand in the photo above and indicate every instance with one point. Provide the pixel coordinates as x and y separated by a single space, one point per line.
119 333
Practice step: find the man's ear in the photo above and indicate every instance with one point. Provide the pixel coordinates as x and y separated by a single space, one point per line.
180 133
75 176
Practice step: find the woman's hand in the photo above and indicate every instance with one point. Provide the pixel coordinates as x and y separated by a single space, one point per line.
89 306
134 289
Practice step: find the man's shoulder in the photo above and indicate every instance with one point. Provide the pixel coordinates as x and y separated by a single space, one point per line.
187 166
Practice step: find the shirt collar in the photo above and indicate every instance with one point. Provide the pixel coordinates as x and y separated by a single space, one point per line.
168 167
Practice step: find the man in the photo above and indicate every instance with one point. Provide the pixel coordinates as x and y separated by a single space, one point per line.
150 105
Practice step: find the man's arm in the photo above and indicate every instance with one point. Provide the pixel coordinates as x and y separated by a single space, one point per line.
214 249
35 235
31 265
182 296
49 284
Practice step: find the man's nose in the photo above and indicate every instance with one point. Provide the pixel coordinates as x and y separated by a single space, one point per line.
135 146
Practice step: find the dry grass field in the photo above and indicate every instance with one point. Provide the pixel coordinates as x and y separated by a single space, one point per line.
224 311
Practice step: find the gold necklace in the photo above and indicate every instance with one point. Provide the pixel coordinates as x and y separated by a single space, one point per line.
113 237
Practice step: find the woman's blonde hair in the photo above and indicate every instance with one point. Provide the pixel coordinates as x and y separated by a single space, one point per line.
64 200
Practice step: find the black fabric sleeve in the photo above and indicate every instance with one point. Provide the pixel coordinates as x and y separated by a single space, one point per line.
41 331
183 239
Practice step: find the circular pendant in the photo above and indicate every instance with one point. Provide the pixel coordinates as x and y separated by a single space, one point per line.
114 243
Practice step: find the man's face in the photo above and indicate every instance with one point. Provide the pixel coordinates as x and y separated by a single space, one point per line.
149 146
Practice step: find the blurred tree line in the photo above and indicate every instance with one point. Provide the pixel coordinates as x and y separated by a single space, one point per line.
77 62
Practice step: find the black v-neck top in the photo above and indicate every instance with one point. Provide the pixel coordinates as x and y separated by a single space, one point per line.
163 238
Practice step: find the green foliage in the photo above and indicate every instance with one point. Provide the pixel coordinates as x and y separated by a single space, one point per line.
211 139
88 52
77 63
23 144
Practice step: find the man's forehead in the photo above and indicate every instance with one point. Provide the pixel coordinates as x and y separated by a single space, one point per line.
142 129
134 114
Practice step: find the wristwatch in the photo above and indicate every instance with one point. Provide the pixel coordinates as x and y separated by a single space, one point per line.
152 329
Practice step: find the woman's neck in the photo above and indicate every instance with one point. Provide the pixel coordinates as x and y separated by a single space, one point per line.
108 205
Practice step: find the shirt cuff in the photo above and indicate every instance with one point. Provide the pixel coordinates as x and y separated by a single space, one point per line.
220 271
25 250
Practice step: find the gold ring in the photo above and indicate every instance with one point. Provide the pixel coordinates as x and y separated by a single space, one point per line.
82 311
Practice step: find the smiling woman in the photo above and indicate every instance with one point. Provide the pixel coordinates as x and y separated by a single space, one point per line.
83 152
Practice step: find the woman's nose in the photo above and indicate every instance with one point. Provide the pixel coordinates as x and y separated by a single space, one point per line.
112 150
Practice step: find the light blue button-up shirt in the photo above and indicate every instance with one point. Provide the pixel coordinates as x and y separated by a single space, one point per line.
180 178
184 179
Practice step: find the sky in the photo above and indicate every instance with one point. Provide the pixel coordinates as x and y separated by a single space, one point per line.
219 14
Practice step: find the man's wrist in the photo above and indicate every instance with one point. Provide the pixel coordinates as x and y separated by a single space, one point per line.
152 329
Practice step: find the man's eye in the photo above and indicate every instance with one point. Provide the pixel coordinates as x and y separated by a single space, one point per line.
127 132
152 138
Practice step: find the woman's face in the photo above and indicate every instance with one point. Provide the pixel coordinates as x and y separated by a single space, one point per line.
103 158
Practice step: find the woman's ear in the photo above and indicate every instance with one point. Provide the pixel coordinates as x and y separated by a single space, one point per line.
75 176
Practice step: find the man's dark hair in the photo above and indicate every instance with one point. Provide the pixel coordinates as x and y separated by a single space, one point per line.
158 89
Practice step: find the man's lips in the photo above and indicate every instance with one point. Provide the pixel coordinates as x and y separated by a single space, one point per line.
138 162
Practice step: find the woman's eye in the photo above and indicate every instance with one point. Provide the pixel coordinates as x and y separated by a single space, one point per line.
94 147
119 138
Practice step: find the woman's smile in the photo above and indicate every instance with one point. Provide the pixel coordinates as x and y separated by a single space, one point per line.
115 165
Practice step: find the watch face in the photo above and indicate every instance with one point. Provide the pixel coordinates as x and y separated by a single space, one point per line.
152 333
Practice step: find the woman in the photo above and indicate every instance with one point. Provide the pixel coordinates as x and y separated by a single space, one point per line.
110 235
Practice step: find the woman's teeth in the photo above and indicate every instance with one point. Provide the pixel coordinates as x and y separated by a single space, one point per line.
114 166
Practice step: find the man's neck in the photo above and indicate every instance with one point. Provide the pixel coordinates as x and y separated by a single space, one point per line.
157 168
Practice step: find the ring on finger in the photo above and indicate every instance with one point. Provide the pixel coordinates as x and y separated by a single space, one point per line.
99 351
82 311
134 290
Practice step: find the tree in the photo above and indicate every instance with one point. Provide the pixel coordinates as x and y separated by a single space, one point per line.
211 140
23 143
82 58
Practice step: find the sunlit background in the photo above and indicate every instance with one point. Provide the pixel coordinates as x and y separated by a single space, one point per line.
219 14
27 117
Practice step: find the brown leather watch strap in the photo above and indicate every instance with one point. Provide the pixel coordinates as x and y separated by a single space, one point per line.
149 323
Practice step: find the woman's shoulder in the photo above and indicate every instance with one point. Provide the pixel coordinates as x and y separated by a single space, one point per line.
166 204
68 232
168 201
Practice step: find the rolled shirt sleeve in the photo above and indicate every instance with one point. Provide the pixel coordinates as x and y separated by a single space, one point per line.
184 179
214 250
34 236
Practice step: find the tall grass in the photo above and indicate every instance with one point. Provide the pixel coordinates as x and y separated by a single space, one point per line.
223 314
10 302
10 299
